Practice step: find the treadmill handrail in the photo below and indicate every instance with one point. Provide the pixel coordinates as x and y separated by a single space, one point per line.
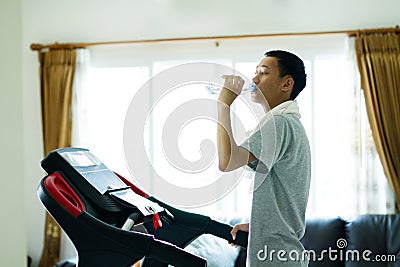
134 188
223 230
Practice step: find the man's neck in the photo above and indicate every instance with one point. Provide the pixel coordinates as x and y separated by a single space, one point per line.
268 106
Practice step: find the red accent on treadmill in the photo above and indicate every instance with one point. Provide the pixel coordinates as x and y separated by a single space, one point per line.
132 186
63 193
157 223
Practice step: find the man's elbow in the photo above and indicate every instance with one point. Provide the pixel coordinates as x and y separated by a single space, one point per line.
226 165
223 165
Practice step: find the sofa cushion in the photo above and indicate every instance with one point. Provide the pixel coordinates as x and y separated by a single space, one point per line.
218 252
374 241
321 236
215 250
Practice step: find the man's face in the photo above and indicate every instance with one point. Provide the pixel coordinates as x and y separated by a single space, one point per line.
268 80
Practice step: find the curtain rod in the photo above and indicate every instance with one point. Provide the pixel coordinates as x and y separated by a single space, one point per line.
350 33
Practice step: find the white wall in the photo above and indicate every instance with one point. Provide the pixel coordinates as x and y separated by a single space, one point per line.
48 21
12 193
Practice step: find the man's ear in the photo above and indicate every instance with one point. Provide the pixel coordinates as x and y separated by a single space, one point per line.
288 84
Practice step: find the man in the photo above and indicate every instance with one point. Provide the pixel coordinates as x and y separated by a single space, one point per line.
278 152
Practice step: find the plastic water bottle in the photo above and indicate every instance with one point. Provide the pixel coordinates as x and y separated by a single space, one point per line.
216 88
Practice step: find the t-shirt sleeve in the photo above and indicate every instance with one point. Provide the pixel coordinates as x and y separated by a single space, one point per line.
266 144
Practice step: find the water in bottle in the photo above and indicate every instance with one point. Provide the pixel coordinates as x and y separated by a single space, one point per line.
216 88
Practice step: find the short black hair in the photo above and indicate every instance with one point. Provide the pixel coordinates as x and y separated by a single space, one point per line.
292 65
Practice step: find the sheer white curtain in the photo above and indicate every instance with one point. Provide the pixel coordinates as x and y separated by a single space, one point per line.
79 116
374 192
80 98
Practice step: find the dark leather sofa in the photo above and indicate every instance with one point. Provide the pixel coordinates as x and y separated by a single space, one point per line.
363 241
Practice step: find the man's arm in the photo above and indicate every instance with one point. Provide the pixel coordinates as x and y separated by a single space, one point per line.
230 155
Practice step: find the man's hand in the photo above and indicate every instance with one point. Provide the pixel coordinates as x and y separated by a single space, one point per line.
239 227
232 88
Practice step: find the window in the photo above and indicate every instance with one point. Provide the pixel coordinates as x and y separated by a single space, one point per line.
330 107
102 113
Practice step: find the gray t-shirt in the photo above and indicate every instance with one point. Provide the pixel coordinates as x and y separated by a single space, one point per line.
281 188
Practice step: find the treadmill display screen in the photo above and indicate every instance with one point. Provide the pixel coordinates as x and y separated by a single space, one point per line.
80 158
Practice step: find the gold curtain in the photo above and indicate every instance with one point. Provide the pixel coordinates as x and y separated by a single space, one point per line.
378 57
57 69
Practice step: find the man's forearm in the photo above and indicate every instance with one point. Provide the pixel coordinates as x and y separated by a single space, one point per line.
230 155
225 140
